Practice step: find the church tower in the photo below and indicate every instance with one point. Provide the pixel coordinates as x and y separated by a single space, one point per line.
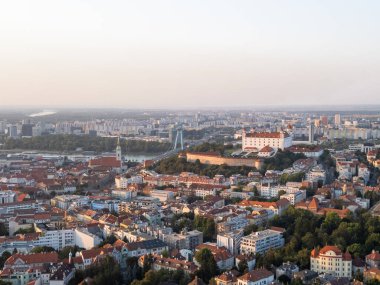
118 150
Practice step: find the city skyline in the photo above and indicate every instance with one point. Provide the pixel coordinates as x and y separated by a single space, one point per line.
175 54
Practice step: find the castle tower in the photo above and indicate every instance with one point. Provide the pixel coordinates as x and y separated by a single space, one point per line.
118 150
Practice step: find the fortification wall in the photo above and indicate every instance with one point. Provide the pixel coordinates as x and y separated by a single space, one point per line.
219 160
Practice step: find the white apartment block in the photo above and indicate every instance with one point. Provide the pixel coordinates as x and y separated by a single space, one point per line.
9 208
258 140
295 197
271 191
330 259
7 196
262 241
85 239
230 240
205 192
316 174
123 194
364 173
123 182
363 202
162 195
56 239
65 202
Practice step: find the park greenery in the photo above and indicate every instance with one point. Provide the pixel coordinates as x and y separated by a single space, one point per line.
161 276
212 147
359 234
3 230
4 256
291 177
187 220
281 161
176 165
70 143
208 267
103 272
25 230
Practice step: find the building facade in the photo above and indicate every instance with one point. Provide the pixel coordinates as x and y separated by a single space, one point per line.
258 140
262 241
330 259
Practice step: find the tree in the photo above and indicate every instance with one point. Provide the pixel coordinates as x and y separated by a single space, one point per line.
296 281
25 231
243 266
3 230
165 253
331 222
64 252
161 276
309 240
39 249
206 226
4 257
281 192
102 272
109 240
284 279
208 267
250 229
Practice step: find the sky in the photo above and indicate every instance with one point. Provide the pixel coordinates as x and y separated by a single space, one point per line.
188 54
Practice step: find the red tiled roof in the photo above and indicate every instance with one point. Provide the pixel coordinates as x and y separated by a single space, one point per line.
267 149
273 135
256 275
106 161
374 255
48 257
333 248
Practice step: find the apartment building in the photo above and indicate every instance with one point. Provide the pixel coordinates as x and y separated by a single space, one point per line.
317 173
184 240
295 197
262 241
230 240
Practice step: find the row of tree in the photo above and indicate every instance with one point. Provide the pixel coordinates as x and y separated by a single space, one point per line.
175 165
88 143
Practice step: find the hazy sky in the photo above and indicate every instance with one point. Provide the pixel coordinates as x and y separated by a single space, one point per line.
189 53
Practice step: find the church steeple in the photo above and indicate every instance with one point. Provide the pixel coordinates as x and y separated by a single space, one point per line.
118 150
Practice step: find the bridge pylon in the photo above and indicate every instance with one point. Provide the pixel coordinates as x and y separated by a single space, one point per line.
178 138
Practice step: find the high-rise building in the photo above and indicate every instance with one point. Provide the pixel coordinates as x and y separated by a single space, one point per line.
27 130
324 120
311 133
337 120
12 131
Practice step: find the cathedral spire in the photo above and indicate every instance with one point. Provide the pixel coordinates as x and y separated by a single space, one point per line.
118 150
